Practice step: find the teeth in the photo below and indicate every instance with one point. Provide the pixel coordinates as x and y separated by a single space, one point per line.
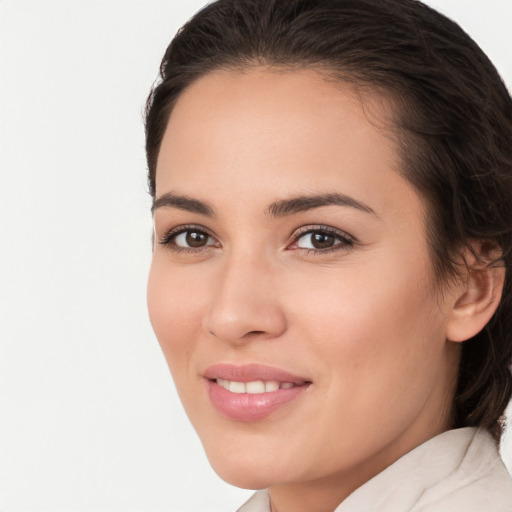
254 387
271 385
237 387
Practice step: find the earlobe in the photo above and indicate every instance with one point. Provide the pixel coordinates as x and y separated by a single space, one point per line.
478 297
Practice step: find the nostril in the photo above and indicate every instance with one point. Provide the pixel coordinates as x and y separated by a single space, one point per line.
243 321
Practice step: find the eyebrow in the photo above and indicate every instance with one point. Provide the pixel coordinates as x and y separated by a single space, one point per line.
285 207
183 203
280 208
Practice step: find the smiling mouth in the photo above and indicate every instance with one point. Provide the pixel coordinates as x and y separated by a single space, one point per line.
254 400
253 392
257 386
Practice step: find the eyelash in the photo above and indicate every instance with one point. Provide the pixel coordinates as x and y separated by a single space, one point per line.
345 243
168 238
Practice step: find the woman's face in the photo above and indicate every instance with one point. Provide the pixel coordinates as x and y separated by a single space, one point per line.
291 287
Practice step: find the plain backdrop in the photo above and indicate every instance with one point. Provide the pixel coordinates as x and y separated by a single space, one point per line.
89 418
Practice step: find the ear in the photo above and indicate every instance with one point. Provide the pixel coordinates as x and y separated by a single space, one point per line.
478 293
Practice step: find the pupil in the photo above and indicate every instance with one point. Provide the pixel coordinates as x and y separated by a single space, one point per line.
322 240
195 239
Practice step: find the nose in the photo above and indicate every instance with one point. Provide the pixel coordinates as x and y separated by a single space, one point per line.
245 303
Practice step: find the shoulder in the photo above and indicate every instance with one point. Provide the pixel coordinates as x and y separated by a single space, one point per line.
479 482
458 471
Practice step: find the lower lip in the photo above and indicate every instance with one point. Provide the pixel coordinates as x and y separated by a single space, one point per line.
251 407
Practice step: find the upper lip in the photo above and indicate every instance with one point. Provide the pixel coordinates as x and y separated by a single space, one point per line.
250 373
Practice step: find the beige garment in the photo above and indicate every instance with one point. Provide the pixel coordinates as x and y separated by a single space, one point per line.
457 471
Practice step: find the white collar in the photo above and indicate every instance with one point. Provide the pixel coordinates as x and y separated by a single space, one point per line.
459 470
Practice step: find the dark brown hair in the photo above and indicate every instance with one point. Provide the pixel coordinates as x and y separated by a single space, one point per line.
453 126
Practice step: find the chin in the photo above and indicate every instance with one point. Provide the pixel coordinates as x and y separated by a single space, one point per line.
250 464
244 472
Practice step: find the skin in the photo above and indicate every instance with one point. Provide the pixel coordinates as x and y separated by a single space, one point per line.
365 322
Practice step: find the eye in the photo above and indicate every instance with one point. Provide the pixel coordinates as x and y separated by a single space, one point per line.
188 238
316 240
191 238
321 239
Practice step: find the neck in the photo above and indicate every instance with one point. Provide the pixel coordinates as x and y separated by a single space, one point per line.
325 494
317 496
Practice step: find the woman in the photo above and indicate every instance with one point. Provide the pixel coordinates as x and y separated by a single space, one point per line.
332 185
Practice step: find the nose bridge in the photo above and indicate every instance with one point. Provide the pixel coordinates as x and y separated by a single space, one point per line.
245 301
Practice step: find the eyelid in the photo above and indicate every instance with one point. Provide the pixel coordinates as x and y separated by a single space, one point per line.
346 238
166 239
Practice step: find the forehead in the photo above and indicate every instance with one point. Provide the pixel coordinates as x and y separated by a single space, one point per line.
288 131
281 94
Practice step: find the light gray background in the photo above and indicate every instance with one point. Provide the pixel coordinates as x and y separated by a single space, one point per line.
89 419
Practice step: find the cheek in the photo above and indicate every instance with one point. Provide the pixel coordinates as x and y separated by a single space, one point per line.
174 312
361 302
376 345
372 334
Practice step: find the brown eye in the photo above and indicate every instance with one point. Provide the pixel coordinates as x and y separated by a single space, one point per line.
322 240
317 240
196 239
190 239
